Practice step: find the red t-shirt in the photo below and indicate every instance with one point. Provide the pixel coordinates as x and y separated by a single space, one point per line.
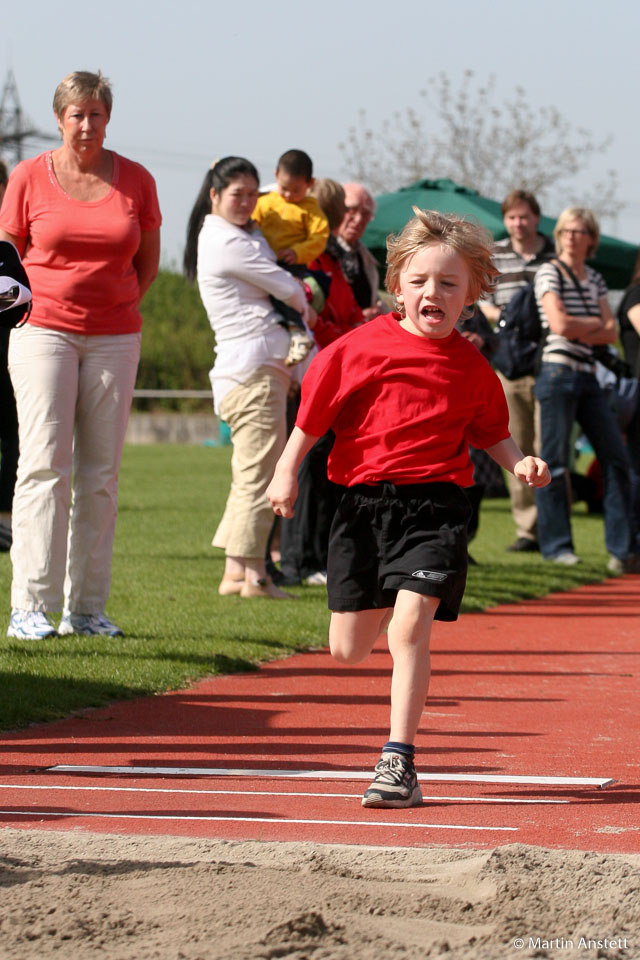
79 257
404 408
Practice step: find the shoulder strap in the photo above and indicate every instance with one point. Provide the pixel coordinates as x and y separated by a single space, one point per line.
576 284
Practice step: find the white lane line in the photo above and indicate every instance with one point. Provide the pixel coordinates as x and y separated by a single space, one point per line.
259 793
327 775
276 820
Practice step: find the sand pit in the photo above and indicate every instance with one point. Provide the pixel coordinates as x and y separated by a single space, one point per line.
81 896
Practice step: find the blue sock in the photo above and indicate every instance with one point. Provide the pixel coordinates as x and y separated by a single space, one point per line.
406 749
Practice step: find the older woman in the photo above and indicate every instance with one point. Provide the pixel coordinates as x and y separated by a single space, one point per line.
572 299
237 273
87 221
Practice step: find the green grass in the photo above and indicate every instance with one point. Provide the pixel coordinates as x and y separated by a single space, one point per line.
164 594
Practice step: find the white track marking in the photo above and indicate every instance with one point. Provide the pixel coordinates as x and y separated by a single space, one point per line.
274 820
258 793
327 775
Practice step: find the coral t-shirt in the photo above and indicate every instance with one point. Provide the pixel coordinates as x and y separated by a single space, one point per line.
79 256
404 408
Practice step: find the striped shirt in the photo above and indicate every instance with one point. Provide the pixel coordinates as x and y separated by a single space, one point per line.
515 270
557 349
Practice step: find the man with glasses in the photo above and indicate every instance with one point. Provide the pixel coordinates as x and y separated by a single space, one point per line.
518 257
358 264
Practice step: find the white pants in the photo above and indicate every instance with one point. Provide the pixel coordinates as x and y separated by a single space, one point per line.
73 395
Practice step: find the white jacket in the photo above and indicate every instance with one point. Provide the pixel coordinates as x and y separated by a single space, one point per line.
237 271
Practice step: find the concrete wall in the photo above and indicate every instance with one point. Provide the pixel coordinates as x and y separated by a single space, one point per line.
188 428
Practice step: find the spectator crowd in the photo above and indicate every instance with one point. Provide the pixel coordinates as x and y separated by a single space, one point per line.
283 273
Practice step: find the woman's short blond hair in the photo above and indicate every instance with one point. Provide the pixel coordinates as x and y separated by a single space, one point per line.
330 197
429 228
80 86
590 221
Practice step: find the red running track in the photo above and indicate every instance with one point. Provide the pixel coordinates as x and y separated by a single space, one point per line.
545 688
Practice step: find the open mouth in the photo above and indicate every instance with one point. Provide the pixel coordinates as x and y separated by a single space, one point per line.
432 313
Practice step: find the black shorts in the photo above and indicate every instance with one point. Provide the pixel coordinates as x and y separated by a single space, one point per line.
385 538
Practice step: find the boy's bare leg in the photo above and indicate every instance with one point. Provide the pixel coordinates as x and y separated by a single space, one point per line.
395 782
353 634
409 635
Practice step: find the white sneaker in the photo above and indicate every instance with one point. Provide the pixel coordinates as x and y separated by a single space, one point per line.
615 565
30 625
88 624
317 579
567 558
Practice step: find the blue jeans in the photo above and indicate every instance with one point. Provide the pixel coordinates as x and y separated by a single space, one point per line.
566 396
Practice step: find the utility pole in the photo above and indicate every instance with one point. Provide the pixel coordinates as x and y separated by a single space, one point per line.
15 128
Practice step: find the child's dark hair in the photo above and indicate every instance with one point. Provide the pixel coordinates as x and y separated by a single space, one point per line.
428 228
296 163
218 178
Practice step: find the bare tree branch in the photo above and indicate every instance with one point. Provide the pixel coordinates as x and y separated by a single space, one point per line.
462 133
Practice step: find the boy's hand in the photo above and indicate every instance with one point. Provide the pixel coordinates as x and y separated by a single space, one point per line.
287 255
532 471
282 493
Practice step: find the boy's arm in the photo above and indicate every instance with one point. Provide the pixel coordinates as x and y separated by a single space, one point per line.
531 470
283 489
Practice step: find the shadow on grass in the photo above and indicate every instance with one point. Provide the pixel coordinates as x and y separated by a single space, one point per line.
33 698
496 583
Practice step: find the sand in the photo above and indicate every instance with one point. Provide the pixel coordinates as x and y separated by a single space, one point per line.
78 895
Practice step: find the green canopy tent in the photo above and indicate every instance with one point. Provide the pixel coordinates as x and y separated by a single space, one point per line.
614 259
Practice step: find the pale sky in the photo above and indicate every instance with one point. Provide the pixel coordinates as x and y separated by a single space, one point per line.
195 81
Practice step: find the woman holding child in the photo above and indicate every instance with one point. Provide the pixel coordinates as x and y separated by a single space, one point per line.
237 273
573 304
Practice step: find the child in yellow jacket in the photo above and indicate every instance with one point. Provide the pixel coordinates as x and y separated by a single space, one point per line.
297 231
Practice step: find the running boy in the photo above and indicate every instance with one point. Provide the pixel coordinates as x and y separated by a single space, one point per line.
405 395
297 231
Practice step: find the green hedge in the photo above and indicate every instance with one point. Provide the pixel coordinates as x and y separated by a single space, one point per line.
177 342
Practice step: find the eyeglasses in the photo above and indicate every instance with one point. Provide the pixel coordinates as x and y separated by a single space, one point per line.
574 233
363 211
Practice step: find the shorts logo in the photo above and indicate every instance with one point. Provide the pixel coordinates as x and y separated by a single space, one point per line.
429 575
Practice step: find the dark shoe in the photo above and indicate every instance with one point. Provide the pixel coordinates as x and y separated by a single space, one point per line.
5 538
284 579
524 545
395 783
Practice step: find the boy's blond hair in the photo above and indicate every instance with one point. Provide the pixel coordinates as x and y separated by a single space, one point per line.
428 228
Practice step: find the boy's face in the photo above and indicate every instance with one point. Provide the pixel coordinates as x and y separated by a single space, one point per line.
433 287
292 189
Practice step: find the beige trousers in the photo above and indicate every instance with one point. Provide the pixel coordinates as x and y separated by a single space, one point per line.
73 395
524 426
256 414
